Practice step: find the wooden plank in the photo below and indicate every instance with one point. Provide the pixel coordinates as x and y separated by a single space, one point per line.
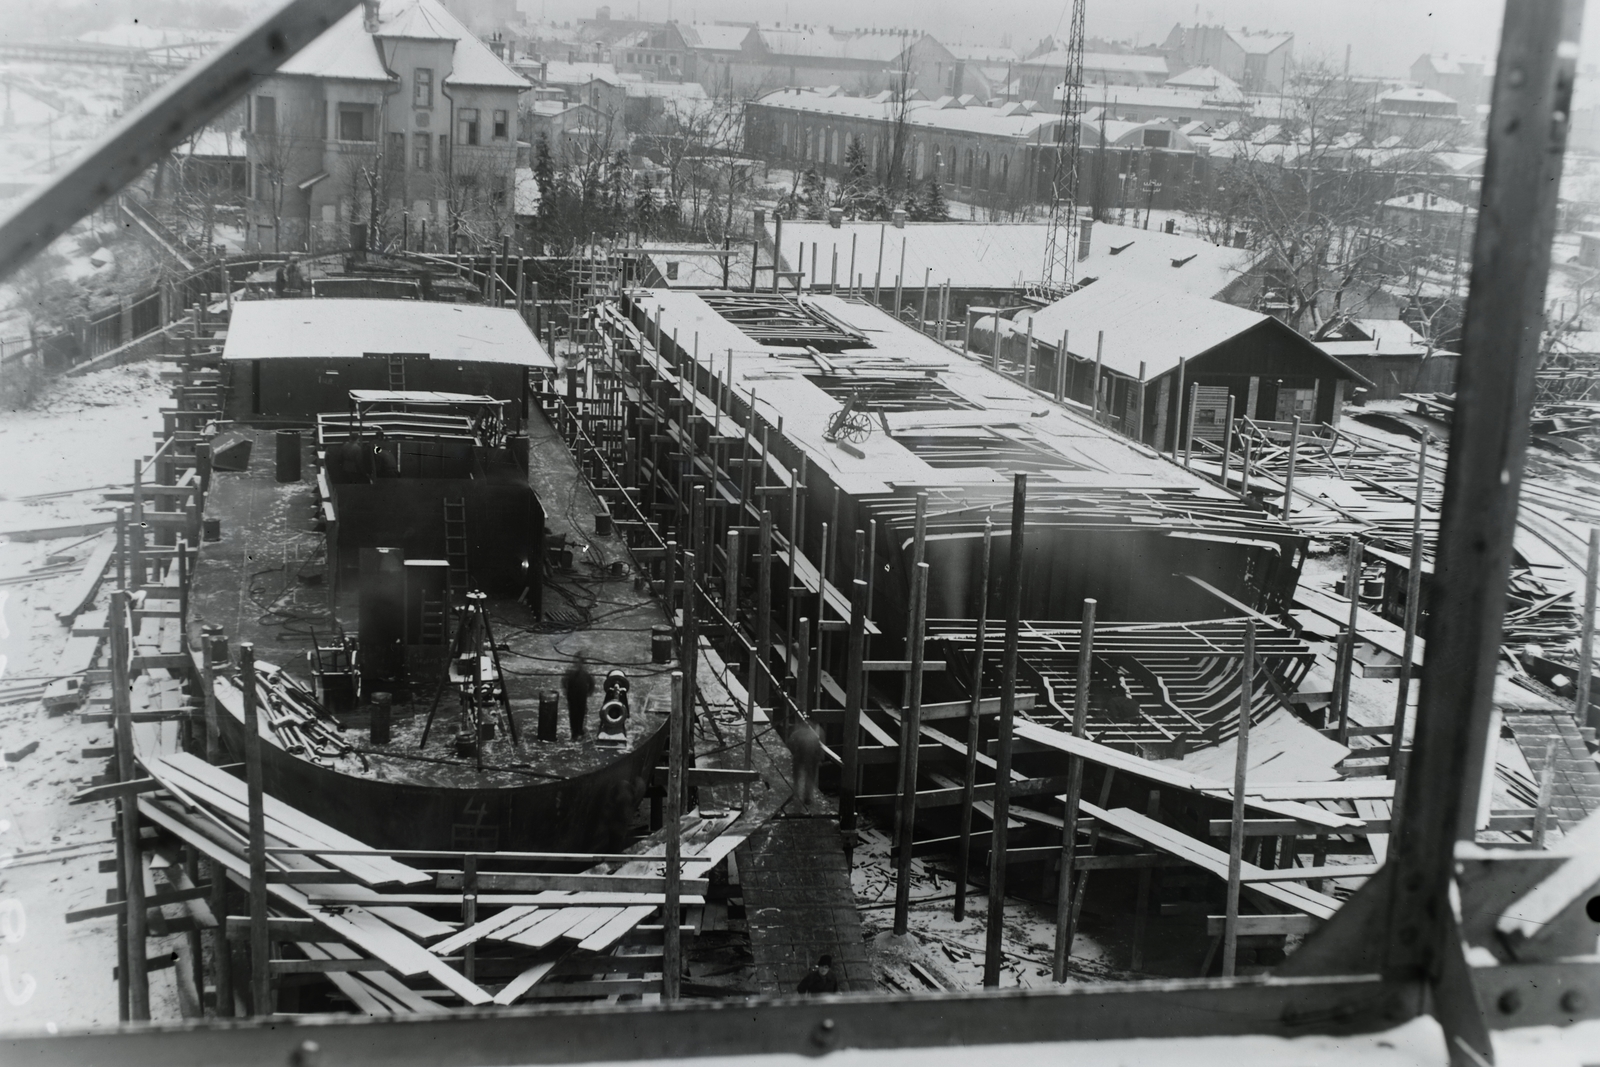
321 966
80 594
1210 859
1259 925
358 991
528 883
550 927
597 918
478 931
1171 777
1376 809
353 924
320 895
612 931
293 826
524 982
1301 874
1290 828
387 985
424 928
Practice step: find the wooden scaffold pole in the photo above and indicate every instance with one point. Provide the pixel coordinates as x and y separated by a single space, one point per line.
969 777
1414 613
1012 598
1241 764
1069 826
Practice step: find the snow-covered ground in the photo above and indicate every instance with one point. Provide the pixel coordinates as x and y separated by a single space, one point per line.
85 432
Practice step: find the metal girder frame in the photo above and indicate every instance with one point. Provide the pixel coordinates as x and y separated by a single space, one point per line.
142 139
1398 936
784 1026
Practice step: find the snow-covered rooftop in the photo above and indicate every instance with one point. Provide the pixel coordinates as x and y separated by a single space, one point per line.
349 53
1143 324
347 329
993 255
921 113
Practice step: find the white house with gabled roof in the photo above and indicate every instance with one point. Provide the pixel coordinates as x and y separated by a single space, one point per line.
397 119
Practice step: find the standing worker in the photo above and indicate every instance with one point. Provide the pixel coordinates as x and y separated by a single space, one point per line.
805 751
580 683
820 978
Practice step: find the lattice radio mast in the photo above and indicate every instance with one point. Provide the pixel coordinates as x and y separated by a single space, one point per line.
1061 230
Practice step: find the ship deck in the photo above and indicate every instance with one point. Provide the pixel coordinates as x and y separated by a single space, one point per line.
266 582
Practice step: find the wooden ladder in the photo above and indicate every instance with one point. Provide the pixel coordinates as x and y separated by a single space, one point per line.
397 372
455 543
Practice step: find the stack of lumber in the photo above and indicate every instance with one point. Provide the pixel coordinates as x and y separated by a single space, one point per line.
206 808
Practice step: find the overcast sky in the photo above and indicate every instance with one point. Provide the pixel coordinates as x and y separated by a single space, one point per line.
1384 36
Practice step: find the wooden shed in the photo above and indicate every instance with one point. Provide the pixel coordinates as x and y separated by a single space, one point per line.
1135 349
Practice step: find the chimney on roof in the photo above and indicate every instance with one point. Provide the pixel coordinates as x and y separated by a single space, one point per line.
835 217
369 15
899 218
1085 232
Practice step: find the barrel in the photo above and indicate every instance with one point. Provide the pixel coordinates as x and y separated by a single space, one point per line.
549 709
382 717
288 455
661 643
211 529
602 523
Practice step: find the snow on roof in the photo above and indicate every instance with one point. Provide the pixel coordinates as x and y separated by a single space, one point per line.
983 53
1144 324
993 255
560 72
349 53
1178 103
347 329
880 47
922 113
1373 337
1111 61
716 38
1428 96
1205 77
1259 44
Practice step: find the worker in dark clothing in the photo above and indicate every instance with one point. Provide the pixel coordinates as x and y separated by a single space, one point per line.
383 464
820 978
805 754
580 684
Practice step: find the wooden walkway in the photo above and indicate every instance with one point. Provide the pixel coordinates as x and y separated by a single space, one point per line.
1575 787
798 900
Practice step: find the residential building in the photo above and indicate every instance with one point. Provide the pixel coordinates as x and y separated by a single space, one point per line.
1039 77
1392 356
863 62
1432 225
985 152
1418 116
396 115
1466 81
1259 62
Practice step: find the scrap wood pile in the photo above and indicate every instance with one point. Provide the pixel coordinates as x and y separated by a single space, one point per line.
406 921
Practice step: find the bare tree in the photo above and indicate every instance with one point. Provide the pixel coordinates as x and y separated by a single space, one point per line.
1307 187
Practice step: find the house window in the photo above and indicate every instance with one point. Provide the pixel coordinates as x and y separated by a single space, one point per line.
396 152
266 116
444 151
422 87
1157 138
355 123
672 272
672 61
467 125
502 126
422 154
